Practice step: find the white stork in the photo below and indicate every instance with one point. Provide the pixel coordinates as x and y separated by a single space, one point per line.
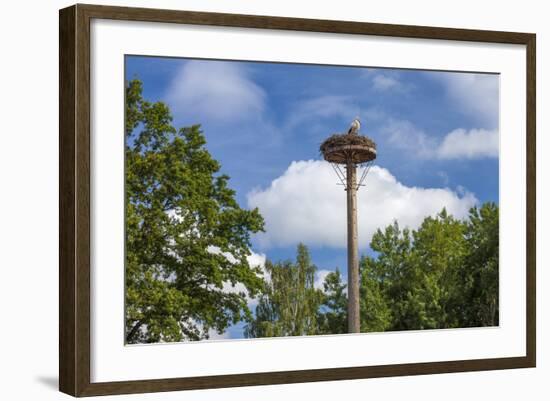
355 126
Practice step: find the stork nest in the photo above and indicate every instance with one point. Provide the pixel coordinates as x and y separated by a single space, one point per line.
340 148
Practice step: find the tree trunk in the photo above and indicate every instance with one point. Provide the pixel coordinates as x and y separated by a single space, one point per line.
133 331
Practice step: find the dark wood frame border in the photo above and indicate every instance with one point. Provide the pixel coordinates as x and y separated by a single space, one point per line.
74 199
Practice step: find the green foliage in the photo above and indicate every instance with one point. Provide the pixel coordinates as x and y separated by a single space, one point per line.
480 294
374 309
390 274
333 315
289 303
187 239
438 252
442 275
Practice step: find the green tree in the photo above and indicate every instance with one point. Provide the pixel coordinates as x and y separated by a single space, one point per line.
396 277
442 275
187 239
439 251
290 303
480 279
333 316
374 307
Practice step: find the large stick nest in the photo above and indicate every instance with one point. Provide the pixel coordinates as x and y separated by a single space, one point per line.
340 148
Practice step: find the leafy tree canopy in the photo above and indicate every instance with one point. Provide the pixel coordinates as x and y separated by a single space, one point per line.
289 303
187 239
442 275
333 314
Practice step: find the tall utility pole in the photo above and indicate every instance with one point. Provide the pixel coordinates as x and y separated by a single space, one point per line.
347 151
354 324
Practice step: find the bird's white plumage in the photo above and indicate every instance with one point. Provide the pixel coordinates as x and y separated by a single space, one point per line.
355 126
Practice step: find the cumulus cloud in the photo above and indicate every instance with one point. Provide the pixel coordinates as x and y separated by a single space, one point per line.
476 95
470 144
306 205
220 91
457 144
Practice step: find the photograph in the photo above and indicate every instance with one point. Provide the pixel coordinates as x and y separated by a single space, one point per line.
267 200
270 199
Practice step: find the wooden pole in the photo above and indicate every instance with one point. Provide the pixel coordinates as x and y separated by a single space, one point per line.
354 324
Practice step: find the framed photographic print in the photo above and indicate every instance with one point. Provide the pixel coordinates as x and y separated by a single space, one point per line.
250 200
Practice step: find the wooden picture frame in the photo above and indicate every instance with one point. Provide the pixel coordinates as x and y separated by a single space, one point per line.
74 199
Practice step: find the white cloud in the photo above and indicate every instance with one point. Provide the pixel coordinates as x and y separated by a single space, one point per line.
320 276
213 335
459 143
254 260
469 144
386 80
305 205
383 83
327 106
221 91
403 134
476 95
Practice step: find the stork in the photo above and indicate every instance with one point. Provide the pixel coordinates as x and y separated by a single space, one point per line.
355 126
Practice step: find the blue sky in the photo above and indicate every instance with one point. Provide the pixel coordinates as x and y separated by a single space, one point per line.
436 133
